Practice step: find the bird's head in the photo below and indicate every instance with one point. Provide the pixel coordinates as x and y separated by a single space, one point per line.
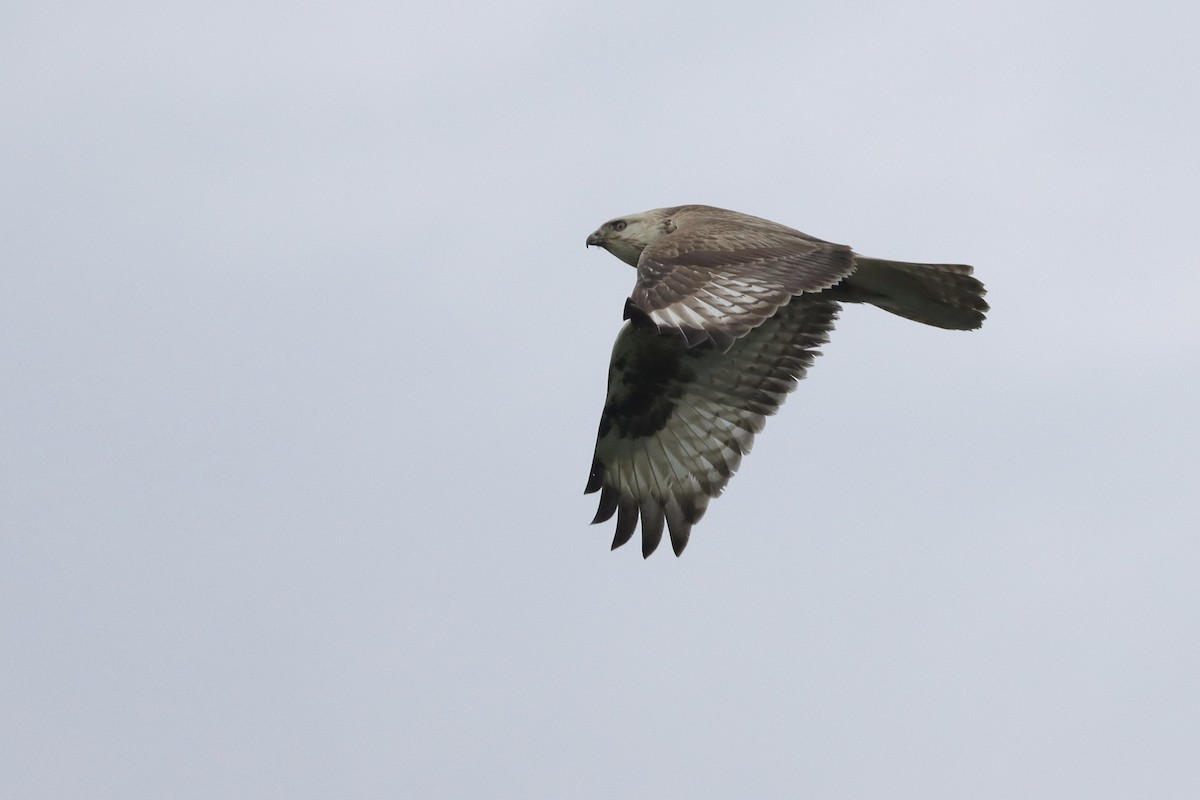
626 237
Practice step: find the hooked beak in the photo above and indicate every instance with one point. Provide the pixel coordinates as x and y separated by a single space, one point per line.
595 239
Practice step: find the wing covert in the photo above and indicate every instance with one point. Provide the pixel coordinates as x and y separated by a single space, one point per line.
720 274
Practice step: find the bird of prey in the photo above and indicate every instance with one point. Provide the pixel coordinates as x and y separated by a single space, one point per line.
725 318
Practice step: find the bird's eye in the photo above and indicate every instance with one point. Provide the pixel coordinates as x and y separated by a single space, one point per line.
619 225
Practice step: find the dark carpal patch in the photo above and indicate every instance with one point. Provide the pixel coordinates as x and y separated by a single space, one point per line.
651 379
639 318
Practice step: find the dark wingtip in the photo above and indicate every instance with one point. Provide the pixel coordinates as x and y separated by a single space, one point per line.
627 518
595 477
608 505
679 538
652 529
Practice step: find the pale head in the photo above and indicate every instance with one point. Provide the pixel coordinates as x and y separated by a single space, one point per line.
626 237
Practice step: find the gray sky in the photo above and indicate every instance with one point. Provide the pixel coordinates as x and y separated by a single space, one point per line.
303 357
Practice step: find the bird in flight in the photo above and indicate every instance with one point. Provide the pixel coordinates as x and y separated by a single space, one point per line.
725 318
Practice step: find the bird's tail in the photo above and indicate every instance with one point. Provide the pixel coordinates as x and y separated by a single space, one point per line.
943 295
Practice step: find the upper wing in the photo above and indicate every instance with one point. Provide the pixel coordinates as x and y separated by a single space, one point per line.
720 274
678 420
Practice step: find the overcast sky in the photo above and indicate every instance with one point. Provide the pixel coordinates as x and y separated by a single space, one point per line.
303 357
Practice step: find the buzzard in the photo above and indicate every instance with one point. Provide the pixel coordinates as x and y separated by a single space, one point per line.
725 318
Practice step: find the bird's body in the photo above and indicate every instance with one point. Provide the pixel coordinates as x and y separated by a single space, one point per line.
726 316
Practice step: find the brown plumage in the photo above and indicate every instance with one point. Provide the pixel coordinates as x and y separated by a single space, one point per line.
725 318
